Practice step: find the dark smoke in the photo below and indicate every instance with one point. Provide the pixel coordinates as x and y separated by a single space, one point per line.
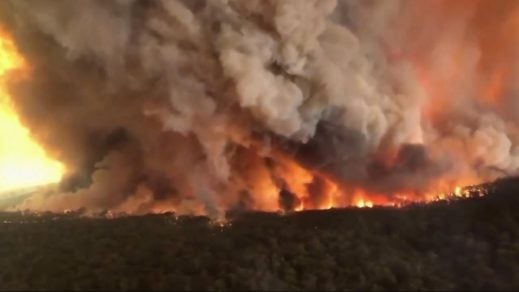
178 103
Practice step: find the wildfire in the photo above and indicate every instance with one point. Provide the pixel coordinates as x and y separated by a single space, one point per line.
23 163
314 190
421 110
364 204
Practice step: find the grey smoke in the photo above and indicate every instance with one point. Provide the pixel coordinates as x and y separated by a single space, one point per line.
152 103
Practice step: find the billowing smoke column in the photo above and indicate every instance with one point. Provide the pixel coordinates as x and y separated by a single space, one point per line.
206 106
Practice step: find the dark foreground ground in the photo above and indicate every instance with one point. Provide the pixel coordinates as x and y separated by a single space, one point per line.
467 244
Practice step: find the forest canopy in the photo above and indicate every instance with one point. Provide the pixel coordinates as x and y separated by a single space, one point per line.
462 244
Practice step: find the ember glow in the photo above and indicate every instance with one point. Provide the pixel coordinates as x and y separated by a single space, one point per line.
201 107
22 162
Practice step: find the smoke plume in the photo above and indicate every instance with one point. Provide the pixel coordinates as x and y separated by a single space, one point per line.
207 106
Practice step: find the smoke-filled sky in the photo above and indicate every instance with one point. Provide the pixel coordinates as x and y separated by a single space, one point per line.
207 106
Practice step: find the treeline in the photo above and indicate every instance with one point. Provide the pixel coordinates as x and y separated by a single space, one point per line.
470 244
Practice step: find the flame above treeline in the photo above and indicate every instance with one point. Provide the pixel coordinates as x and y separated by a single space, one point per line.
208 106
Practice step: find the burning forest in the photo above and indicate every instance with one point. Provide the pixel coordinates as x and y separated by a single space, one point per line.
202 107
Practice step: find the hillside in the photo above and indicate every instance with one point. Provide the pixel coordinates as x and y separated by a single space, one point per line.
465 244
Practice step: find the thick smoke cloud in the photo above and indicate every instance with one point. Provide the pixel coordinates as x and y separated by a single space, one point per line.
205 106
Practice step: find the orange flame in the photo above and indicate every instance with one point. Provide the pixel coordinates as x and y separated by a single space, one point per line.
22 162
338 195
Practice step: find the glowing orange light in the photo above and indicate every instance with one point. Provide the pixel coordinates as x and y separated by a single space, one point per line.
458 191
23 163
364 204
